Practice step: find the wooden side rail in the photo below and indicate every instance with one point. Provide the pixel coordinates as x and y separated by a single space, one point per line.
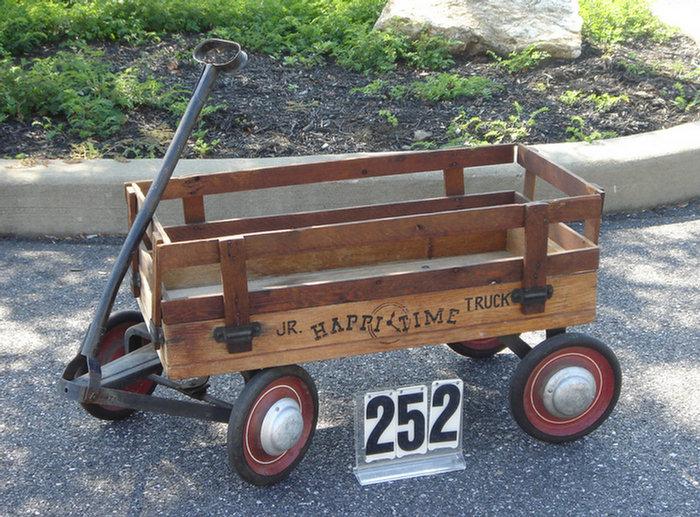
332 236
337 170
302 219
269 300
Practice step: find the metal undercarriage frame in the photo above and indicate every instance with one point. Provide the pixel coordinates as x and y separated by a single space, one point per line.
144 363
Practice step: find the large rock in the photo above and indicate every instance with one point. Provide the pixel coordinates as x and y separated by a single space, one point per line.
500 25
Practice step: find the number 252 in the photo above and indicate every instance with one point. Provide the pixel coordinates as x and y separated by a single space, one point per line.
397 422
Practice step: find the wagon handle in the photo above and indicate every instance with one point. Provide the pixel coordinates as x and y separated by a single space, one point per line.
218 56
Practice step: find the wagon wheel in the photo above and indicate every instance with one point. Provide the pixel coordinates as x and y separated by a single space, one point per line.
478 348
565 387
111 347
272 424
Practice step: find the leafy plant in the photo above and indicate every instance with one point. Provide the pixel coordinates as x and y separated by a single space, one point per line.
606 22
298 32
201 146
685 101
85 151
578 133
570 97
76 86
476 131
430 53
389 117
602 101
632 64
520 60
605 101
373 89
446 86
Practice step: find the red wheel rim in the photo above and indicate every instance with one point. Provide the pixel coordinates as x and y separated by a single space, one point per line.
584 357
112 347
258 460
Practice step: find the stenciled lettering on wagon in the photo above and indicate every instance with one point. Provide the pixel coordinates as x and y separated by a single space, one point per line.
489 301
386 323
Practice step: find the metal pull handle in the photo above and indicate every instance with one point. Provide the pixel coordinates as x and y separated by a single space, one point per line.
217 56
222 54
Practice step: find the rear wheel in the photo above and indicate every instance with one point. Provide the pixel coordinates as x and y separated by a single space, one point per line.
272 424
478 348
565 387
111 347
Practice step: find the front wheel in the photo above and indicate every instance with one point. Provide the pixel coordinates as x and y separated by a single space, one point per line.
272 423
565 387
111 347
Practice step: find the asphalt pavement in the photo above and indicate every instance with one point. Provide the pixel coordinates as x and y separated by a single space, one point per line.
56 459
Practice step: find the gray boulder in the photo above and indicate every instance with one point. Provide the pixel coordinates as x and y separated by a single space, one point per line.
500 25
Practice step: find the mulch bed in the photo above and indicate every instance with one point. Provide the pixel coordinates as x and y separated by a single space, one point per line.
277 110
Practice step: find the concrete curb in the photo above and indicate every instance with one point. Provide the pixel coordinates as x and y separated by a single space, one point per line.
58 198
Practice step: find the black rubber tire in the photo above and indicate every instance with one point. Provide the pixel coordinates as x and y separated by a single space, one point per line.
464 349
253 388
543 352
97 410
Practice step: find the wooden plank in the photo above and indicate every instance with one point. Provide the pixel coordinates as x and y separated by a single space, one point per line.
561 178
310 354
290 242
145 298
316 294
132 208
234 280
591 226
568 238
301 219
155 279
454 181
379 325
346 256
574 208
529 185
193 209
573 261
535 256
332 292
335 170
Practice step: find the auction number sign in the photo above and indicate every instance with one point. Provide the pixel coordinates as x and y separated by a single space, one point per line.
411 421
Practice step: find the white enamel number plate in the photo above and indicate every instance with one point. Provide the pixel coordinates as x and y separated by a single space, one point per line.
409 431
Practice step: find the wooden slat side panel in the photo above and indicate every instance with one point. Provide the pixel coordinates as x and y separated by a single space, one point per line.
335 170
333 293
287 242
475 220
215 229
367 327
559 177
342 257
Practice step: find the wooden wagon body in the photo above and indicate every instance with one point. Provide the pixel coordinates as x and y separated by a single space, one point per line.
334 283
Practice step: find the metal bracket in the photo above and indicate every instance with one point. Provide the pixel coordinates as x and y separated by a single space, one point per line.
238 339
532 295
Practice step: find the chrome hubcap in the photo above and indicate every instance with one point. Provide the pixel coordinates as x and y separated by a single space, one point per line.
569 392
281 427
